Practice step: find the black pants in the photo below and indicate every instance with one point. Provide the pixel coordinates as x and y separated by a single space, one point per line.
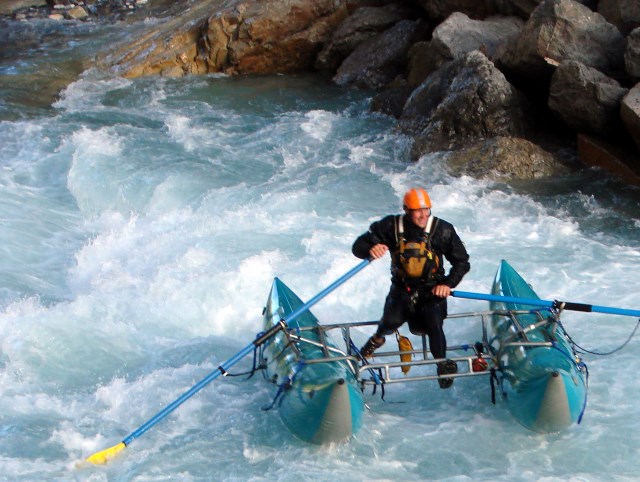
425 315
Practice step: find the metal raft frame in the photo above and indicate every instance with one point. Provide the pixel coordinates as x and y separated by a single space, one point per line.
386 371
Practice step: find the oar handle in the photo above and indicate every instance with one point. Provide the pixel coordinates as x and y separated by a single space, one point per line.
565 305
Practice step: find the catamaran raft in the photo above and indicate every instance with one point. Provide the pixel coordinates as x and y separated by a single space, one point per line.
523 347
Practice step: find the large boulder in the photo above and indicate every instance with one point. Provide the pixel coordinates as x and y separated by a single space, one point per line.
624 14
504 159
466 100
630 113
376 62
561 30
270 36
364 24
441 9
458 35
520 8
612 158
585 99
632 54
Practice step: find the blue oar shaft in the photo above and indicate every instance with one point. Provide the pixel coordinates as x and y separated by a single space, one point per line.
188 394
566 305
221 370
297 312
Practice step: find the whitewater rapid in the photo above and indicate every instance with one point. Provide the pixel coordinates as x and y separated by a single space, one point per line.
142 222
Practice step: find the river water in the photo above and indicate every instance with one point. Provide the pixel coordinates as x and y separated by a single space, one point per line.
142 222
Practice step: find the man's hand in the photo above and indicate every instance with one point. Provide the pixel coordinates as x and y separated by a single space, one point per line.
378 251
441 291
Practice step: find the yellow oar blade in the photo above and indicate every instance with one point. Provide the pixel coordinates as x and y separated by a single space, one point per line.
101 458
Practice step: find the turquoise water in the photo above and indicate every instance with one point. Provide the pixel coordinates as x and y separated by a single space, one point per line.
141 225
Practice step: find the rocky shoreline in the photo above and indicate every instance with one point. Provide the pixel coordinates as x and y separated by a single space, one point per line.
87 10
513 88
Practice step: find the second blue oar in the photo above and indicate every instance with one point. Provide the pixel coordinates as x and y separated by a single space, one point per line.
564 305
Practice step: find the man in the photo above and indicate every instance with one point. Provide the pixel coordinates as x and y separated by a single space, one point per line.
417 242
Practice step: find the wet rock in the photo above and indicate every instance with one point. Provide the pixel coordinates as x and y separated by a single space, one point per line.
466 100
441 9
391 101
378 61
264 37
632 54
364 24
519 8
612 158
630 113
77 13
624 14
585 99
560 30
504 159
458 35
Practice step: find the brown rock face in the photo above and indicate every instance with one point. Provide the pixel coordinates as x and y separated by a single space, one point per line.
271 36
595 152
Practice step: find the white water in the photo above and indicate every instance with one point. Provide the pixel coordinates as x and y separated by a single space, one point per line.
142 223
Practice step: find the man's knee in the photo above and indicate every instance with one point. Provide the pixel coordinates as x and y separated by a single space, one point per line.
417 328
385 329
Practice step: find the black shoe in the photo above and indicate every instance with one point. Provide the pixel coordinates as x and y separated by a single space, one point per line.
444 368
369 347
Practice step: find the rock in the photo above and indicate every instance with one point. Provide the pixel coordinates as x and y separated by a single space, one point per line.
585 99
598 153
77 13
630 113
378 61
456 36
276 36
9 7
466 100
519 8
624 14
363 24
504 159
632 54
391 101
561 30
441 9
269 36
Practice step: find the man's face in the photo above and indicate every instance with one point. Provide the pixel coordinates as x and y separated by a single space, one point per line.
419 217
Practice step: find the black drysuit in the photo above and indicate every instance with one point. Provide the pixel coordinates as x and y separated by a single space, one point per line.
410 299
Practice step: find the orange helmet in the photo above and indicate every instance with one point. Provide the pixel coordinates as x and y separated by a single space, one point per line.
416 198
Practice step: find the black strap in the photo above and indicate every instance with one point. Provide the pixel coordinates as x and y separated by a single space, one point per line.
493 378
